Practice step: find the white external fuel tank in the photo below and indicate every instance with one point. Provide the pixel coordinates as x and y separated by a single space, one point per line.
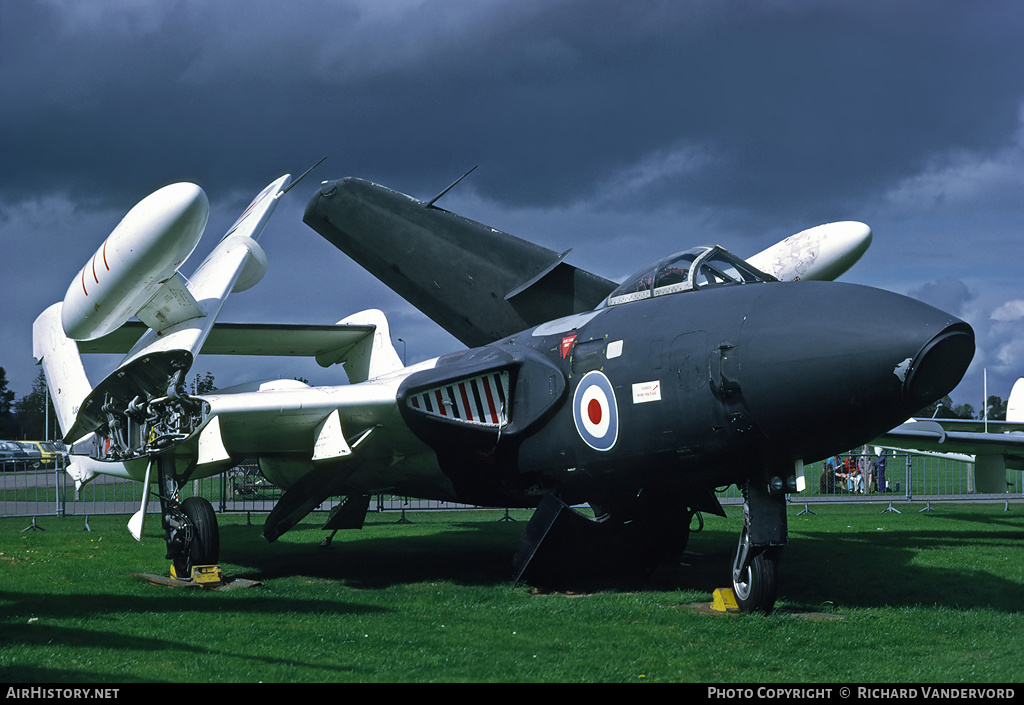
145 250
821 253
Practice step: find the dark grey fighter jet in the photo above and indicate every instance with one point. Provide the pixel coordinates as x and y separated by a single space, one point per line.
701 370
698 372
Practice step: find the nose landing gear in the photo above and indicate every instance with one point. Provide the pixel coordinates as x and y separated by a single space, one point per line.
192 535
755 568
200 543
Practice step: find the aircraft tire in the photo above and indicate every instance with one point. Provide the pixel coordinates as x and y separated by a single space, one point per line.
756 587
204 547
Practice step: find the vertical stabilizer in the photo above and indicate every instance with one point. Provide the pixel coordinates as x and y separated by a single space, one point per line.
375 355
62 365
1015 404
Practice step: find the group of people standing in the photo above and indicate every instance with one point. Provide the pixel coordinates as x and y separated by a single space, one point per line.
861 474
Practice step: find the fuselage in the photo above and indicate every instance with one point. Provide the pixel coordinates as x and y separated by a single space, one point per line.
673 395
690 392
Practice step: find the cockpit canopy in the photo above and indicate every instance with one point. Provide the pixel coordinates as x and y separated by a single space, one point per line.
689 270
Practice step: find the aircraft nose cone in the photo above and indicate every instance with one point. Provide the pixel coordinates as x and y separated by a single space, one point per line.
824 367
940 364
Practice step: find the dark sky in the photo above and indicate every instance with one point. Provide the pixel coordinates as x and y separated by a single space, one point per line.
624 130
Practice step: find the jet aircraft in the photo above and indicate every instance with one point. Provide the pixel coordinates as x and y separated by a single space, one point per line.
640 398
993 446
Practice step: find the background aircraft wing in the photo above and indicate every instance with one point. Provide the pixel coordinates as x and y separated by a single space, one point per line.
478 283
958 436
995 451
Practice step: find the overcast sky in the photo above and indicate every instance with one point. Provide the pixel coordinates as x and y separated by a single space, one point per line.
624 130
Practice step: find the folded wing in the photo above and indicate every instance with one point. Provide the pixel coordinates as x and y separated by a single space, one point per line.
478 283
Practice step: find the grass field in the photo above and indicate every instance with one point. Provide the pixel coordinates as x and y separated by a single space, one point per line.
910 598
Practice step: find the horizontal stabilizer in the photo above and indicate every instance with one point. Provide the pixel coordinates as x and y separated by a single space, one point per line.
273 339
362 341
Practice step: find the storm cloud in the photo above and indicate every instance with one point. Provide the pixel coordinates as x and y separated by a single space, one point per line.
622 130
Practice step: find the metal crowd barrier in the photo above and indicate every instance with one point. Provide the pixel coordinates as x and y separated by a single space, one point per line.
27 491
908 477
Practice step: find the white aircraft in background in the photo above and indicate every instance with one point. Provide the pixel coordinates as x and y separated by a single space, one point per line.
993 446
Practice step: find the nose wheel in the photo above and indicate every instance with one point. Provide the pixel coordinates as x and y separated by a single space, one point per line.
755 571
190 527
201 537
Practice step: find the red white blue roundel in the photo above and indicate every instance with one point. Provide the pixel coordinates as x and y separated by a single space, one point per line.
595 411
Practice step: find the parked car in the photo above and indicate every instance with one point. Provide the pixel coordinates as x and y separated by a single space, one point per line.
34 456
48 451
12 452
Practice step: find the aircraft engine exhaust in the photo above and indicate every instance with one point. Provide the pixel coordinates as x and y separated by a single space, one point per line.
145 250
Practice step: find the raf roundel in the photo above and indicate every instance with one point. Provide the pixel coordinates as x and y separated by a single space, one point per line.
595 411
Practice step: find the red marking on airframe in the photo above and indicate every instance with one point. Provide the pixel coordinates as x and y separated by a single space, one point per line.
490 401
567 343
594 411
465 401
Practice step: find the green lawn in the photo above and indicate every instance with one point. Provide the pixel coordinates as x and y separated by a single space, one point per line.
912 597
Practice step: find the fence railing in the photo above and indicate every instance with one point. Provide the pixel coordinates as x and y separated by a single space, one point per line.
903 476
907 477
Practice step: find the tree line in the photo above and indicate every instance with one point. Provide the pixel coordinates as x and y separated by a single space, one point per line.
25 418
945 409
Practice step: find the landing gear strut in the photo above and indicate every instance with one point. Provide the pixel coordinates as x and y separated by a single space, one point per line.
190 527
754 574
756 565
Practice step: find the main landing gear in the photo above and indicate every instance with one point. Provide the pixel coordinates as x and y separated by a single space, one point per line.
755 568
190 527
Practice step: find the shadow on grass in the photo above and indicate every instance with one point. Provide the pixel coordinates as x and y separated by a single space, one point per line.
49 626
820 569
89 641
470 553
956 568
967 561
463 553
